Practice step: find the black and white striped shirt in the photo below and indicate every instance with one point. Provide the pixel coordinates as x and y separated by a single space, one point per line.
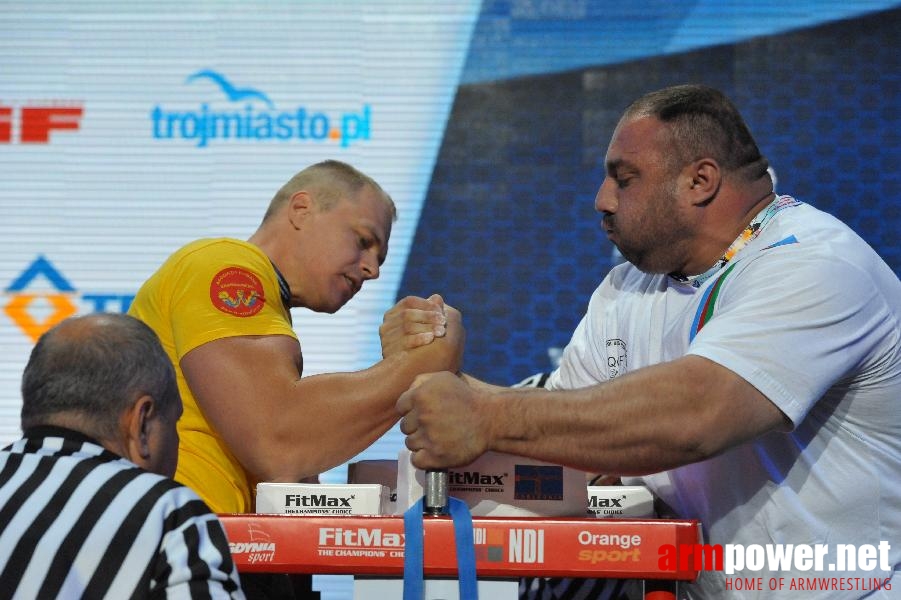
77 521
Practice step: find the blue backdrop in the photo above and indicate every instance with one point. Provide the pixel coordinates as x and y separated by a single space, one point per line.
508 231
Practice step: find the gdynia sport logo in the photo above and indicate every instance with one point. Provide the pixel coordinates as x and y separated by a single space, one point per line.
249 115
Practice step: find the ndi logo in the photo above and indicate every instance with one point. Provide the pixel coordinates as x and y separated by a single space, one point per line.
251 116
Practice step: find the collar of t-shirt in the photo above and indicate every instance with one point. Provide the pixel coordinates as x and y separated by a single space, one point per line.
284 290
45 431
750 232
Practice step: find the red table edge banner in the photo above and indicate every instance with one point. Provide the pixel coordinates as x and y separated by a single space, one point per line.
505 547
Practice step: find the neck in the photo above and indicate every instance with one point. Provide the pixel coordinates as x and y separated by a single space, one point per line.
269 245
268 242
726 228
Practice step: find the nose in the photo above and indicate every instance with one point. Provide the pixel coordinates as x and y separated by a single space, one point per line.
370 266
605 200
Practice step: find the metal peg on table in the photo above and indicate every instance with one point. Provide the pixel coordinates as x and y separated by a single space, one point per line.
435 499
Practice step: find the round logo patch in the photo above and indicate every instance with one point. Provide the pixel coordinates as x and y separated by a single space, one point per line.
237 292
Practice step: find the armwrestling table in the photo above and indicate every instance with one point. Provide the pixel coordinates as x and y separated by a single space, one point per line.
505 547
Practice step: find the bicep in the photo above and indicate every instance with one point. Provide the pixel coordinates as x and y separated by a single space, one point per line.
733 410
239 383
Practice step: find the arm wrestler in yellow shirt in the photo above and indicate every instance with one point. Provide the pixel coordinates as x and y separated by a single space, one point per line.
221 309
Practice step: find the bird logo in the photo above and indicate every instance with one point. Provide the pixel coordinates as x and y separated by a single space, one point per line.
234 94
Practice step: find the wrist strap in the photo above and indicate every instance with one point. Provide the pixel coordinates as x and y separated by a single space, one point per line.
414 588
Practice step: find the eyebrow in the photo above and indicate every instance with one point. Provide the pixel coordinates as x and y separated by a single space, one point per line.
614 165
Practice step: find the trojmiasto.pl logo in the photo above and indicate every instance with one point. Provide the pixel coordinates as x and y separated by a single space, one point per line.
41 296
246 114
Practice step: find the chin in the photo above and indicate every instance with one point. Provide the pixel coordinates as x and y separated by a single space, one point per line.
651 269
330 308
336 306
324 307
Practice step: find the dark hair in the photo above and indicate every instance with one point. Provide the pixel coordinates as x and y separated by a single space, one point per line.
93 368
704 123
328 181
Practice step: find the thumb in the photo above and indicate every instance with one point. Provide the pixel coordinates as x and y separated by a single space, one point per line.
421 459
437 300
419 380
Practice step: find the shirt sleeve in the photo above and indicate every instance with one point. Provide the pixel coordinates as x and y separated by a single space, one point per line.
196 556
224 290
794 322
587 357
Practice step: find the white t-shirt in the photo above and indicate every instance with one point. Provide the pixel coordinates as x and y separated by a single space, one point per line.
811 316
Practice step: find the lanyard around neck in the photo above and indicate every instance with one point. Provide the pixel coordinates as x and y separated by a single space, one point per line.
757 224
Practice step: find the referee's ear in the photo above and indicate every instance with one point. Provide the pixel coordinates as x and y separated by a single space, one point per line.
138 425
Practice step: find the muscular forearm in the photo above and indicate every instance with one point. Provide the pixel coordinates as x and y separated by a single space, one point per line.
650 420
653 419
346 412
337 415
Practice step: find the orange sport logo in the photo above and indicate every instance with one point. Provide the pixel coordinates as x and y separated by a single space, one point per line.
237 291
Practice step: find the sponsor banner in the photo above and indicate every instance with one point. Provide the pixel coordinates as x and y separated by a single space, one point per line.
794 567
119 150
34 123
615 501
502 485
505 547
321 499
244 113
41 295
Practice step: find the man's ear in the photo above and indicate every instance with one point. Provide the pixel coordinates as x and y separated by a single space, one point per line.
137 422
704 180
300 206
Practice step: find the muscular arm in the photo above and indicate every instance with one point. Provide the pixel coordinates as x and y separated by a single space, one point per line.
282 427
653 419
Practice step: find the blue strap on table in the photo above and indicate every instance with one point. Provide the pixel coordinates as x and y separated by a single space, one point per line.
414 588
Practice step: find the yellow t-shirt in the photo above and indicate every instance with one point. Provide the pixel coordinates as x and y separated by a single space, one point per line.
209 290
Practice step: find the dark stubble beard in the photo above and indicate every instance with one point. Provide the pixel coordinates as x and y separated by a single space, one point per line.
659 240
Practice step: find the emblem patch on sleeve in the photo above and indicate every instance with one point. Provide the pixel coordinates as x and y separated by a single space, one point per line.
237 292
617 357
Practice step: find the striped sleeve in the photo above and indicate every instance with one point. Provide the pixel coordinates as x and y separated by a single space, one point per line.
192 558
195 558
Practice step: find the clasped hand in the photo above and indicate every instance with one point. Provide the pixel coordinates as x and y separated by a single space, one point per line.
444 420
413 322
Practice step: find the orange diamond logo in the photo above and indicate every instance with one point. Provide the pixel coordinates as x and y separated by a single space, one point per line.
19 307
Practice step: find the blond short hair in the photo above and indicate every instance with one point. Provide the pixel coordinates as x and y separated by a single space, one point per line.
328 182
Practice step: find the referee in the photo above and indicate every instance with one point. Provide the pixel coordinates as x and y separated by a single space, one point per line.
88 508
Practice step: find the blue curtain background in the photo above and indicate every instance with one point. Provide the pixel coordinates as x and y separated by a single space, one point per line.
508 232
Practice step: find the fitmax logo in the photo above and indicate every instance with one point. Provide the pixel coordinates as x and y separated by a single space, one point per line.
594 502
255 119
474 478
370 538
41 297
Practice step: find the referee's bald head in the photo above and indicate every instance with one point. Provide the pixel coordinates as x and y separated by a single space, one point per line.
88 370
